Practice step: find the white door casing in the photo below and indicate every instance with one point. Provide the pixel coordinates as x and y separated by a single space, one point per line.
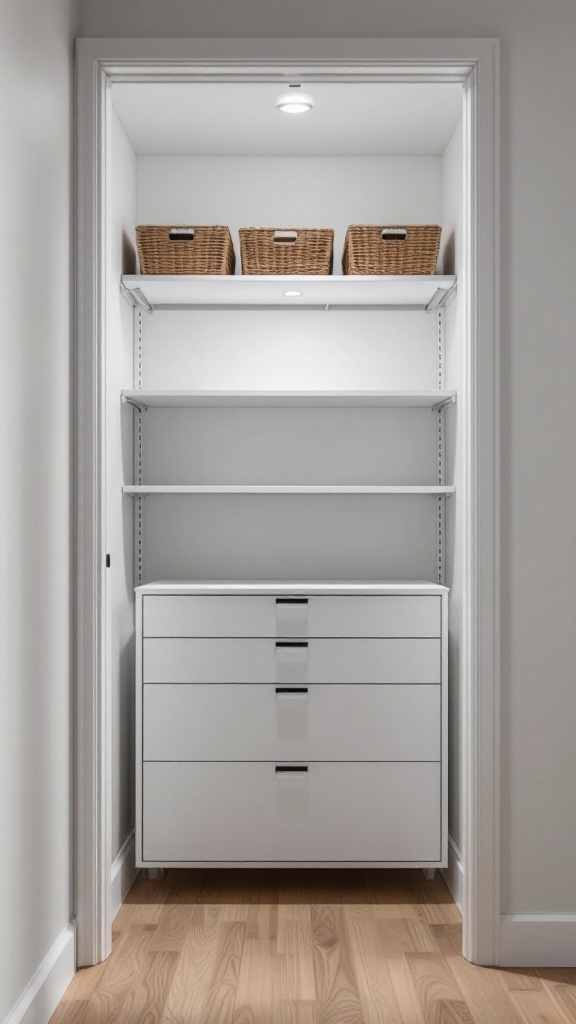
475 63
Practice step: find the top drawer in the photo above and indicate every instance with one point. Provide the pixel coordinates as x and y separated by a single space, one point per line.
266 616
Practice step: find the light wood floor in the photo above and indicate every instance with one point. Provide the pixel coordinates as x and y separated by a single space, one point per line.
302 947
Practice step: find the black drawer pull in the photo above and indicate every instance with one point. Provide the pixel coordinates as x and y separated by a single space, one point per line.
291 689
290 769
291 600
291 643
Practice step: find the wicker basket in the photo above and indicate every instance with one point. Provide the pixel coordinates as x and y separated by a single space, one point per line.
164 249
287 250
396 249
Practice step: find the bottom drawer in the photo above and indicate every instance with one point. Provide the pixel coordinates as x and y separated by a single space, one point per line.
234 811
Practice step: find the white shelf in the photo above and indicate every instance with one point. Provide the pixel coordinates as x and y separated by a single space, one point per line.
272 399
293 587
182 291
148 489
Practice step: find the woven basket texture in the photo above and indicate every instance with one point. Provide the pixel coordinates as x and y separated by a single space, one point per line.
366 252
310 253
210 251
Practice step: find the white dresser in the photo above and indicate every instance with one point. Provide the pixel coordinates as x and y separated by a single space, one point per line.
291 723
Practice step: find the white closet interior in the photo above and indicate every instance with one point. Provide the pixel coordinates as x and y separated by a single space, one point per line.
254 398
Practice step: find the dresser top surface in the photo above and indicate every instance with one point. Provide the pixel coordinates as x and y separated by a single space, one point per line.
272 587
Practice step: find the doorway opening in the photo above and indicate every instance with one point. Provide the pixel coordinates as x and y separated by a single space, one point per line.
246 433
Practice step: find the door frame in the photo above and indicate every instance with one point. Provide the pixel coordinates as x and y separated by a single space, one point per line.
475 63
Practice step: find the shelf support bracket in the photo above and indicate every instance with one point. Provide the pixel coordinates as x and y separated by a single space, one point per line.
442 405
136 298
441 298
137 406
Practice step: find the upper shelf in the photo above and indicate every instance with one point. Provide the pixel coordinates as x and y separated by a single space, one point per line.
140 490
273 399
182 291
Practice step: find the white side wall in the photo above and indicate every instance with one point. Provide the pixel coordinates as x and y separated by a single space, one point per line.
36 382
455 416
119 471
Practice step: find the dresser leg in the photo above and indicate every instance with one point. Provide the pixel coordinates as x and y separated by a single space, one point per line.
154 874
429 874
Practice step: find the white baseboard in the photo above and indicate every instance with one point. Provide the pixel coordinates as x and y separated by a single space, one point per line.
454 874
537 940
124 872
47 986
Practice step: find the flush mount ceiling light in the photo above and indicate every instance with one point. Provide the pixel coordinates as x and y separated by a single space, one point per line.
294 101
292 295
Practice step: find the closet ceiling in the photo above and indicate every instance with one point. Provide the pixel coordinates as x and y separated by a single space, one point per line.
203 119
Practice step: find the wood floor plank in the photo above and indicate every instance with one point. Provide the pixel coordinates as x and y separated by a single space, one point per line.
266 888
563 975
421 936
536 1006
395 938
565 997
487 998
518 980
237 912
254 1000
448 938
440 996
405 991
336 986
406 911
195 966
184 885
440 913
291 1011
118 978
147 996
148 890
217 1005
262 921
369 962
449 1011
295 979
172 928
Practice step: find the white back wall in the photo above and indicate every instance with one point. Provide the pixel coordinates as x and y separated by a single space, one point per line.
295 537
290 192
289 350
36 527
255 537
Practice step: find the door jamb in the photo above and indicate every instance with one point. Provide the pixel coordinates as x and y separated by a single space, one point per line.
474 62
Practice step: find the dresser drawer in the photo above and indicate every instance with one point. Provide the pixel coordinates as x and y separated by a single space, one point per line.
374 616
179 660
217 722
268 616
251 812
199 616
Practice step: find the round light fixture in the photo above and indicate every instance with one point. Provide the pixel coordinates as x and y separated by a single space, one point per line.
292 295
294 101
